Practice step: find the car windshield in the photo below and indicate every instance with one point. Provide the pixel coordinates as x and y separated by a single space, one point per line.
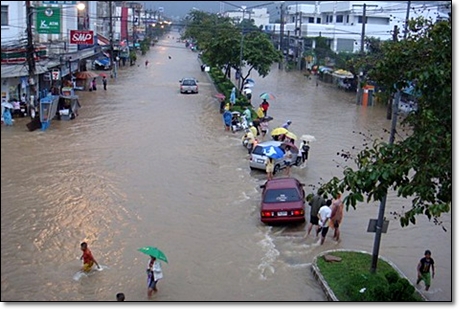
188 82
258 150
281 195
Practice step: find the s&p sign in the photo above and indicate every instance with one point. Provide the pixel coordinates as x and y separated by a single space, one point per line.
82 37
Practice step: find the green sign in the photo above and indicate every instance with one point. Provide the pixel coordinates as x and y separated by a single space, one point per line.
48 20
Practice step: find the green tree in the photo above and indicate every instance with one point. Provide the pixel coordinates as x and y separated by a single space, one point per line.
259 54
220 40
418 166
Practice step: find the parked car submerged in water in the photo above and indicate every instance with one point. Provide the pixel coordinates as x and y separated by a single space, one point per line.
283 201
257 158
188 85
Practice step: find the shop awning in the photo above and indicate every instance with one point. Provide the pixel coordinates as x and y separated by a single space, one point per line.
101 40
18 70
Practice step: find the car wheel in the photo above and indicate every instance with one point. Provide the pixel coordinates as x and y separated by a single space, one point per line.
276 169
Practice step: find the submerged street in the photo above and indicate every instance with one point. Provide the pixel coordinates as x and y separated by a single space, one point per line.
143 165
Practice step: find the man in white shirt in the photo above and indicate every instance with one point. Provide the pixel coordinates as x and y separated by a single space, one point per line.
324 215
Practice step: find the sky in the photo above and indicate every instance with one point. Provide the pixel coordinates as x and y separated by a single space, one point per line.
181 8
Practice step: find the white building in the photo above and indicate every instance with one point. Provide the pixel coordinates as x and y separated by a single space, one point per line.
260 16
341 21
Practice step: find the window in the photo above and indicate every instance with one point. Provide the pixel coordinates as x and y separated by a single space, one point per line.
311 20
348 19
318 20
339 19
281 195
4 15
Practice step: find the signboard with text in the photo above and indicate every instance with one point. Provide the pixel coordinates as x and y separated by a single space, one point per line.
61 2
48 20
82 37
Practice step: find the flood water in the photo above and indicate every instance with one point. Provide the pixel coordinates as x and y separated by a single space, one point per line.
144 165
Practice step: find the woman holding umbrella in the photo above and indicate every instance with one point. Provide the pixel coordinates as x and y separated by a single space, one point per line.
154 274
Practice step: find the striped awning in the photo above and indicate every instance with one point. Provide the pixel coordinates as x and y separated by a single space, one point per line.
101 40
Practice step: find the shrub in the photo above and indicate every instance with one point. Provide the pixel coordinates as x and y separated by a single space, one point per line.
368 287
392 277
402 290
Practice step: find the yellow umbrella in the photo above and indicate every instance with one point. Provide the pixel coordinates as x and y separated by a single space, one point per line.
260 112
279 131
290 135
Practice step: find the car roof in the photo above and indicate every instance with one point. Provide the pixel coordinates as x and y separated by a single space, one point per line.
270 143
282 183
188 78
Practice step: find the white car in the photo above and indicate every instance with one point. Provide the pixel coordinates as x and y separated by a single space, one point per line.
257 159
188 85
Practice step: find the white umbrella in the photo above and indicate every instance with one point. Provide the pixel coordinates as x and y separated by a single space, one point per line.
307 138
247 91
7 105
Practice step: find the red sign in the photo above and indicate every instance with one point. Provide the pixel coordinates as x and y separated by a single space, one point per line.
82 37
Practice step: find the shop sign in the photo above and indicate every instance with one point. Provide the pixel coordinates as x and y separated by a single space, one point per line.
48 20
85 37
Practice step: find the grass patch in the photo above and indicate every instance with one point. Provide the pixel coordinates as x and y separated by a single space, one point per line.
351 279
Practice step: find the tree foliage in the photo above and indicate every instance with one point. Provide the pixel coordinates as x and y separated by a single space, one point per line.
418 166
220 39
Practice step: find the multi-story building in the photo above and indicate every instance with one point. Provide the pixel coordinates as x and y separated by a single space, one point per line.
57 31
260 16
341 22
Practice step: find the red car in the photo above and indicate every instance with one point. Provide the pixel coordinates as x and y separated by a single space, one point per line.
283 201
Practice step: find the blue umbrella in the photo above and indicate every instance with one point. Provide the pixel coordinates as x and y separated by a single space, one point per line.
233 96
267 96
273 152
249 83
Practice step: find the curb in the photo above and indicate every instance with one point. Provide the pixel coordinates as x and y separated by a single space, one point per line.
330 296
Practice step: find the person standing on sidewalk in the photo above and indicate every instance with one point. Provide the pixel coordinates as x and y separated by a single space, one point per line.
423 270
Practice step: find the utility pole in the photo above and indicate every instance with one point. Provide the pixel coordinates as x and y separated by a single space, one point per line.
31 55
395 39
359 97
300 42
280 66
407 19
392 113
112 56
296 18
363 31
240 73
381 216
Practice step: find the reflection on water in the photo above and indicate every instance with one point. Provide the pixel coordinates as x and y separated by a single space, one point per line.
145 165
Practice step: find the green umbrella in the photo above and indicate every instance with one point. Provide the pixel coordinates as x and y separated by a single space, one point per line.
152 251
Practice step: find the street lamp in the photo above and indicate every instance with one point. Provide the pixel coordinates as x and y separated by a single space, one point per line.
240 70
81 6
243 8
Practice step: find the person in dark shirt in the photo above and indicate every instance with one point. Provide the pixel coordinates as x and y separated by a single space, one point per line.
316 203
423 270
